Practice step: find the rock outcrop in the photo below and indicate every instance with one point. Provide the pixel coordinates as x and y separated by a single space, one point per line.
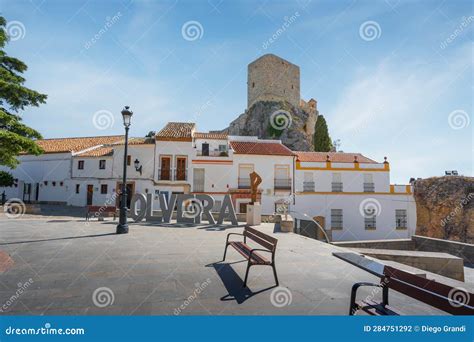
277 120
445 208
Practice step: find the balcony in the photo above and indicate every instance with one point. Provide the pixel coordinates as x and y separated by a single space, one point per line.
172 175
336 186
369 187
164 174
201 153
308 186
282 184
180 175
244 183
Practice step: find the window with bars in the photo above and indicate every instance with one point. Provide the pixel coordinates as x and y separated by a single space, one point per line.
370 222
400 219
336 218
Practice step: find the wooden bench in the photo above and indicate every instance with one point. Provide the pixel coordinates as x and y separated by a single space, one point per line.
453 300
251 254
98 211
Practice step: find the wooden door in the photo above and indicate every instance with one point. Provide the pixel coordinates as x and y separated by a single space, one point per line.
90 193
165 168
180 168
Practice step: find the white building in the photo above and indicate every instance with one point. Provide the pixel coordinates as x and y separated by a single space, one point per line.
348 194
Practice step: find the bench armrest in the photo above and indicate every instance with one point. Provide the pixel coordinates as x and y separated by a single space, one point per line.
259 250
228 235
355 287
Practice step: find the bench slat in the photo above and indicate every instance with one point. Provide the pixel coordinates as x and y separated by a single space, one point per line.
245 251
264 236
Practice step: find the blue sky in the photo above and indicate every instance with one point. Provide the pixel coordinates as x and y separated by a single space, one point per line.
405 92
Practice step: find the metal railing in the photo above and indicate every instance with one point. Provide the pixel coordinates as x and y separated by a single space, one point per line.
164 174
308 186
200 153
282 183
180 175
244 183
336 186
369 187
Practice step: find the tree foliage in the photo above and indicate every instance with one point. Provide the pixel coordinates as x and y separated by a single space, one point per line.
321 140
15 137
6 179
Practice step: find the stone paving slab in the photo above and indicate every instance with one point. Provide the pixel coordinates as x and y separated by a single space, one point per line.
165 270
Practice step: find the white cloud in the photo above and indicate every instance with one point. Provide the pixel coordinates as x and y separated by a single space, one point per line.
392 110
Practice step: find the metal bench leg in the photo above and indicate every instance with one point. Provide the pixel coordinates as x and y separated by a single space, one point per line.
275 274
353 306
225 251
247 273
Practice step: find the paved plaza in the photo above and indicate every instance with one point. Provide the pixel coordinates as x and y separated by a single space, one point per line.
65 266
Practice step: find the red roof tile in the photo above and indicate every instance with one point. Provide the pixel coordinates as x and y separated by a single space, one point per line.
335 157
63 145
262 148
211 136
176 131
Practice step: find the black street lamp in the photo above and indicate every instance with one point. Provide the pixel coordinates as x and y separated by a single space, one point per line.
122 227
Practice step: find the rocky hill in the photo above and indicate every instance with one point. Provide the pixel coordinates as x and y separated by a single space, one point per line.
277 120
445 208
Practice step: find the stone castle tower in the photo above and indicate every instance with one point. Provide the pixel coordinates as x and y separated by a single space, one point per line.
273 84
271 78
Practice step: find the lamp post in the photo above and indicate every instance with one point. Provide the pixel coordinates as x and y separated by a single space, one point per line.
122 227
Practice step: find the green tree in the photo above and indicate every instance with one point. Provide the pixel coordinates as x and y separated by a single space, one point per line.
6 179
15 137
321 139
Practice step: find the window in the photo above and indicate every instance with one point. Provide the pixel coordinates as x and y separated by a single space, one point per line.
198 180
80 165
336 218
282 179
308 182
129 160
368 183
400 219
253 84
370 222
102 164
336 182
244 175
78 186
103 189
222 148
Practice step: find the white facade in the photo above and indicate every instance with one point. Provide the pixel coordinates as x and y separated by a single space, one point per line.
335 191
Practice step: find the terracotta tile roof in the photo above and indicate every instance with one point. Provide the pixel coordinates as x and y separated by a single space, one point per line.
262 148
136 141
335 157
215 136
63 145
176 131
97 152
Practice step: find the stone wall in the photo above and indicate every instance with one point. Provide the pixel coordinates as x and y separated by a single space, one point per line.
271 78
445 208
